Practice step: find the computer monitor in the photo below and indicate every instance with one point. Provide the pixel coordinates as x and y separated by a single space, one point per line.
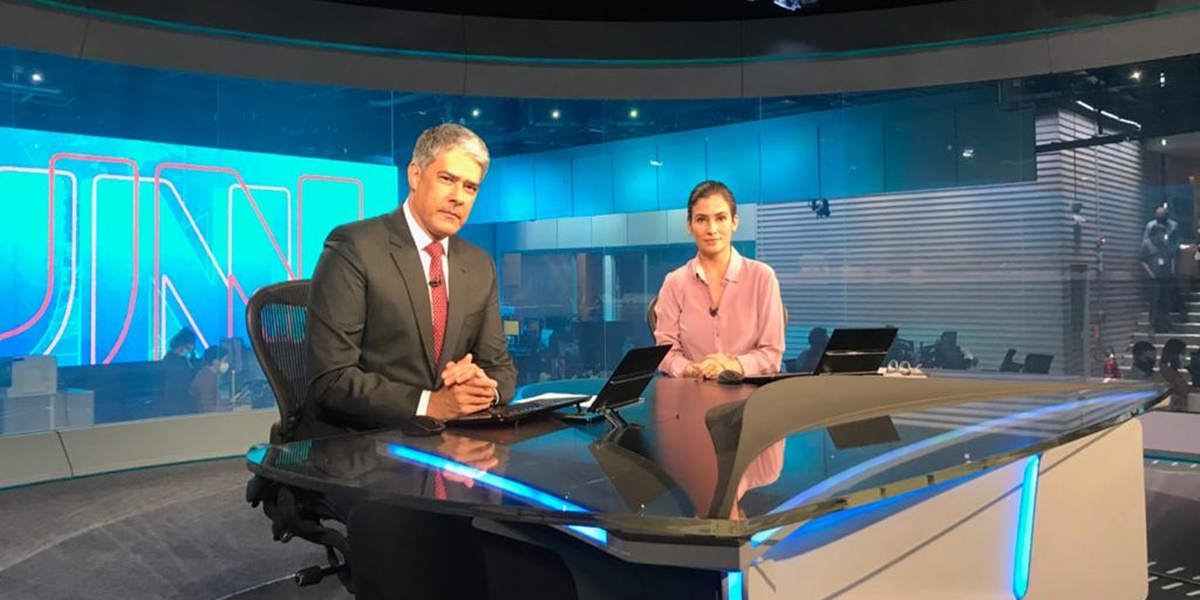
1038 363
627 381
949 338
512 328
852 351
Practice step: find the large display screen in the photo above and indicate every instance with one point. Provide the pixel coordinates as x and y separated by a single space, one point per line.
109 246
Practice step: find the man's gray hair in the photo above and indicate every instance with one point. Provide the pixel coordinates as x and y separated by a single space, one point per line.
440 138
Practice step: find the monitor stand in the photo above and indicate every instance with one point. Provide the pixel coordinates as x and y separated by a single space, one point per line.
614 418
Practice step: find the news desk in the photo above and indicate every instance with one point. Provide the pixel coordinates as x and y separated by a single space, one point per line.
848 487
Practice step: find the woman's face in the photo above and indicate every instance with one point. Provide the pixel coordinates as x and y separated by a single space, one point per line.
712 224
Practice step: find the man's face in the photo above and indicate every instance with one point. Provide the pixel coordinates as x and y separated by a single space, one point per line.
1161 215
441 194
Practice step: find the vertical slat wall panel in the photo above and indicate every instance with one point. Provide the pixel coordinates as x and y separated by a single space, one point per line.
991 262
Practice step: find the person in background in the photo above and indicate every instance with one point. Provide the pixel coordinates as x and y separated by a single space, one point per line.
1158 262
1168 368
178 368
1143 362
818 338
205 387
720 311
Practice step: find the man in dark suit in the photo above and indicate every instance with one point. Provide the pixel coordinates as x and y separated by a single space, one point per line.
404 321
404 316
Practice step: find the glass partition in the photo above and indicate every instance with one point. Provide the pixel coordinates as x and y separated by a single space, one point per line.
1002 225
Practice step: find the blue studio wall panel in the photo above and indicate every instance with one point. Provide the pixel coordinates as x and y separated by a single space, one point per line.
516 200
635 176
939 141
789 160
851 156
592 183
682 158
552 187
734 155
919 151
138 239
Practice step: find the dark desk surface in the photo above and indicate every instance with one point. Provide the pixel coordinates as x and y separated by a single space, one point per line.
714 461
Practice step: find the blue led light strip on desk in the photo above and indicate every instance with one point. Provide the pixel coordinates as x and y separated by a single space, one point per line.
875 465
504 484
1025 528
735 585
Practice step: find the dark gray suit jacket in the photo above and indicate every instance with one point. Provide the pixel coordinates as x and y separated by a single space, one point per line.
370 327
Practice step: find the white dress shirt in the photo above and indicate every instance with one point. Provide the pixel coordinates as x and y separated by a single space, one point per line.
422 239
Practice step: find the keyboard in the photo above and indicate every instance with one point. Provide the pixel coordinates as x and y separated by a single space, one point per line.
513 412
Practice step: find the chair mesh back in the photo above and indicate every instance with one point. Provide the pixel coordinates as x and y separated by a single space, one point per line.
276 318
651 317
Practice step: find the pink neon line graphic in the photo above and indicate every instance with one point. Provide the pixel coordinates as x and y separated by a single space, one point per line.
196 229
300 210
229 221
191 223
229 248
157 318
95 212
167 285
133 288
233 284
74 246
50 247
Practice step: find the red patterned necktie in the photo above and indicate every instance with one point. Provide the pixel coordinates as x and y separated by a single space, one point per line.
439 486
437 298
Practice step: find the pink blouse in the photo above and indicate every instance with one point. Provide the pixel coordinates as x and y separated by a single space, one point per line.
748 324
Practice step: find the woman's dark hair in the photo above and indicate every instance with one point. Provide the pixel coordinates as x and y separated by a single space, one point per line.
705 189
185 337
1140 347
212 355
1172 353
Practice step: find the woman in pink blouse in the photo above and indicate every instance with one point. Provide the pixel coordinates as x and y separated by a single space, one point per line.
720 311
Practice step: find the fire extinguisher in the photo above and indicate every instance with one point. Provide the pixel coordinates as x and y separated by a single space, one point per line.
1111 370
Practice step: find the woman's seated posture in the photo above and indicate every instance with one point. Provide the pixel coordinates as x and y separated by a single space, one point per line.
720 311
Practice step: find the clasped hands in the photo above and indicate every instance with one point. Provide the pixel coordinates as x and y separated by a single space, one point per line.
712 365
476 454
466 388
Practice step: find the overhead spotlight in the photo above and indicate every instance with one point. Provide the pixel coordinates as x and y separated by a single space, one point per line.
654 162
1136 75
968 152
554 114
1163 142
36 78
1162 80
475 112
633 113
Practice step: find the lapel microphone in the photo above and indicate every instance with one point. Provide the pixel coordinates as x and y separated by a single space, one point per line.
712 312
435 283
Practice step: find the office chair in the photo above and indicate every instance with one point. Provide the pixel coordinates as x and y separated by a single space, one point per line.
652 319
1037 363
276 317
1008 365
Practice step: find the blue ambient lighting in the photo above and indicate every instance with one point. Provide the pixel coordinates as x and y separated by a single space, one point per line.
1025 528
735 582
508 486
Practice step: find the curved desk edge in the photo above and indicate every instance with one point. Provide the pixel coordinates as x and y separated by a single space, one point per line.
32 458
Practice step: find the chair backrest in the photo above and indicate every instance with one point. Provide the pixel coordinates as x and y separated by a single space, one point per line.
651 318
1008 365
276 320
